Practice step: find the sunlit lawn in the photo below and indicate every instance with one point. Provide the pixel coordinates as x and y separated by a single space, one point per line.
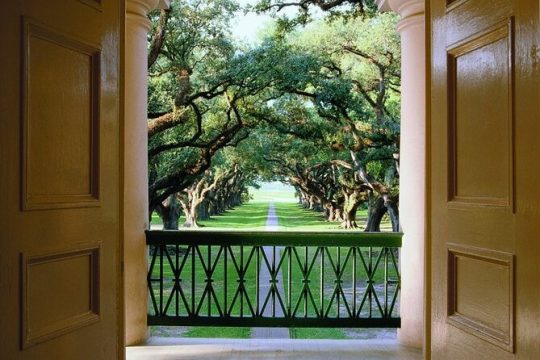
329 304
208 255
294 217
250 216
253 216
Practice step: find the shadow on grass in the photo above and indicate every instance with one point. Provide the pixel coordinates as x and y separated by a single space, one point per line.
293 216
253 215
250 215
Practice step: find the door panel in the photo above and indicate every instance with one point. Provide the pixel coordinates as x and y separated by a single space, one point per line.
481 174
484 104
67 112
59 184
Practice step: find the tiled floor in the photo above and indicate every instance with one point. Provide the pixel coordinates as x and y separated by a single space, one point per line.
231 349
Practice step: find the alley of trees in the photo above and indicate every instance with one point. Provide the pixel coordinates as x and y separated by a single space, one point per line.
314 104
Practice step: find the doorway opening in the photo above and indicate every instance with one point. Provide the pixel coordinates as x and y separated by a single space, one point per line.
310 101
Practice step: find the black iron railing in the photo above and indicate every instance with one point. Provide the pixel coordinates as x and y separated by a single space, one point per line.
273 279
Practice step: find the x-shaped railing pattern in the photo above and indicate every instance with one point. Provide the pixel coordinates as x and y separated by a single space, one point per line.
273 279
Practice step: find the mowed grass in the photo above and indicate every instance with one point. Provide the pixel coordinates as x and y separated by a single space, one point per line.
252 216
296 218
273 192
208 255
249 216
156 220
292 216
328 261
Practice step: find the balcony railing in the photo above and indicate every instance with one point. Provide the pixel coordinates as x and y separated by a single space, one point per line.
273 279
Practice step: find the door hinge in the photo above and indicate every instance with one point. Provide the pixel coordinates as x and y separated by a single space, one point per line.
535 56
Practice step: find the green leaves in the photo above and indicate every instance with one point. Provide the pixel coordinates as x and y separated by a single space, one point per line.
294 107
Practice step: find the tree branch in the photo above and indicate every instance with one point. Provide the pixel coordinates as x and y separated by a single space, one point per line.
158 37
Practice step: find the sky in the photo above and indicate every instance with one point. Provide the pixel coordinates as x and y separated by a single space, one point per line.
246 27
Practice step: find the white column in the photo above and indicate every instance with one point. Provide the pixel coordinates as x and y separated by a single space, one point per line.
412 165
136 168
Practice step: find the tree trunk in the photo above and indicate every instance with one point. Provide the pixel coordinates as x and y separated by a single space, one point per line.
169 213
329 212
191 221
204 213
350 207
338 214
393 212
192 215
349 221
376 211
304 199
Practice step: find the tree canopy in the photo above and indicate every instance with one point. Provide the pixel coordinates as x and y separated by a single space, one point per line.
315 106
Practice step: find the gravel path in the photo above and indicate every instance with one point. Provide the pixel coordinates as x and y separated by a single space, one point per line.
270 333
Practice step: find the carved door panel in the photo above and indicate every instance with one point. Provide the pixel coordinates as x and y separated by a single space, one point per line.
60 274
483 179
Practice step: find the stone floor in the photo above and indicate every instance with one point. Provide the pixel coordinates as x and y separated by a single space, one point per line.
230 349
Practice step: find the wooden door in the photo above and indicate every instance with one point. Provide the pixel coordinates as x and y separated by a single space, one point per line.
484 187
60 279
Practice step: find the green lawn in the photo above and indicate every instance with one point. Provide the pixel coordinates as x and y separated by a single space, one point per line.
156 220
209 255
223 332
250 216
292 216
253 216
273 192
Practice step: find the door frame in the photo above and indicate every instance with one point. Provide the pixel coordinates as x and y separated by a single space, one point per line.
427 235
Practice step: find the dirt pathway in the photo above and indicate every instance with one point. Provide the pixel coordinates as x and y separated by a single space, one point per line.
270 333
